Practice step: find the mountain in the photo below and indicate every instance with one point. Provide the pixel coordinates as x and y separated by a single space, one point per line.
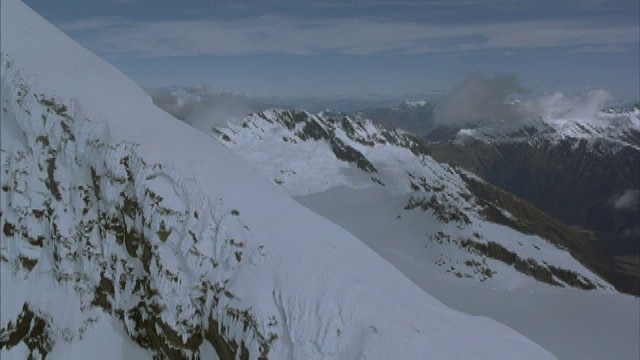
582 171
413 116
128 234
572 158
467 242
308 154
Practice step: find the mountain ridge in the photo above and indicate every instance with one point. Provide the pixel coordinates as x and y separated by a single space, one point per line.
293 148
458 237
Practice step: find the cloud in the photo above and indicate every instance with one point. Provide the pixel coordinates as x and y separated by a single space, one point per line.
629 200
608 48
281 34
479 99
557 108
95 23
493 102
201 106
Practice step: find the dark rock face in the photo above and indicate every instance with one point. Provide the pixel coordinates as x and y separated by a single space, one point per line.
574 180
31 328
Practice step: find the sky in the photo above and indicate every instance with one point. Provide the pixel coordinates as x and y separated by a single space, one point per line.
360 49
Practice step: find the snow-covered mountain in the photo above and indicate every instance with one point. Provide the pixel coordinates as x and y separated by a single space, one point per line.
308 154
128 234
441 226
618 129
580 164
575 158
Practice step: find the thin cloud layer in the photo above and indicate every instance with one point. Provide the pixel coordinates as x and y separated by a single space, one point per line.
629 200
201 106
559 108
479 99
285 35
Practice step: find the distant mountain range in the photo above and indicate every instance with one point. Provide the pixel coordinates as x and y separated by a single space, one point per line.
583 173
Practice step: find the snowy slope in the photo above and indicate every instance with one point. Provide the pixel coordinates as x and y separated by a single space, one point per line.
125 229
423 217
570 157
307 154
571 323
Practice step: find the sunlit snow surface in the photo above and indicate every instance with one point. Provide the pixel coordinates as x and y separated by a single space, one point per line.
86 146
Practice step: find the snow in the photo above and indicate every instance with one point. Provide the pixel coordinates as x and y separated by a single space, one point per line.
310 167
208 352
306 167
565 321
415 103
329 294
572 324
557 117
103 340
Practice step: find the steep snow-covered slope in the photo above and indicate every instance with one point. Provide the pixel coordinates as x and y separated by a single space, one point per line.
308 154
124 230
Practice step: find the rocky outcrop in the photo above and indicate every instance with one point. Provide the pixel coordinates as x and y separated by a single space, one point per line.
99 219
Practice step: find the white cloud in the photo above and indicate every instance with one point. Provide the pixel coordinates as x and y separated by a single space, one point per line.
275 34
479 99
629 200
96 23
203 107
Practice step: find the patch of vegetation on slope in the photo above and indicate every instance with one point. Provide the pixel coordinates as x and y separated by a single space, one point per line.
530 267
443 211
573 180
529 220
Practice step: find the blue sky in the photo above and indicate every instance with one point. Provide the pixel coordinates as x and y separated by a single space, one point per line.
360 48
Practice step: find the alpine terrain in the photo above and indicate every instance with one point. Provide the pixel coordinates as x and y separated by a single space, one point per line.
470 244
581 167
128 234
